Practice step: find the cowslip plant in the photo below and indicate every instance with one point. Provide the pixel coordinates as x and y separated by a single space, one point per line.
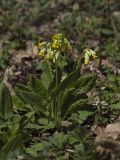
47 102
54 97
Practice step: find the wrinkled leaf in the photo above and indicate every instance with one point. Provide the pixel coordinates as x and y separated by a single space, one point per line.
85 83
33 99
6 106
37 87
47 76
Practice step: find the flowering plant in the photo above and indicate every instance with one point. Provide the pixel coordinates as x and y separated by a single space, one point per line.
53 96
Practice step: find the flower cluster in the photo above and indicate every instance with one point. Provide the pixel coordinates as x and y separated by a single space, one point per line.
51 50
88 54
45 50
60 42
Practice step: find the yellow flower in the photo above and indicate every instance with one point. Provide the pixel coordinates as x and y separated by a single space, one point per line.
57 36
87 58
48 57
42 44
60 42
89 54
55 45
68 46
93 54
45 49
42 53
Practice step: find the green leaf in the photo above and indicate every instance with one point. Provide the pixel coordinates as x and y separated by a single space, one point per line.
66 101
43 121
11 145
47 76
21 87
71 103
66 83
35 148
76 106
46 123
81 116
33 99
115 106
6 106
85 83
19 104
59 140
106 31
37 87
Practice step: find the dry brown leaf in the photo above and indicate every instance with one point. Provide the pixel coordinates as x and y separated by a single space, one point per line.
113 130
105 144
8 73
105 149
30 51
100 133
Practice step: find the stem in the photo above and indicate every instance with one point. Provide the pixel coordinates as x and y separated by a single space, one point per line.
80 58
50 110
56 72
79 62
56 79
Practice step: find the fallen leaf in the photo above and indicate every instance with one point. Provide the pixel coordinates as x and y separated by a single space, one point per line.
113 130
100 133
